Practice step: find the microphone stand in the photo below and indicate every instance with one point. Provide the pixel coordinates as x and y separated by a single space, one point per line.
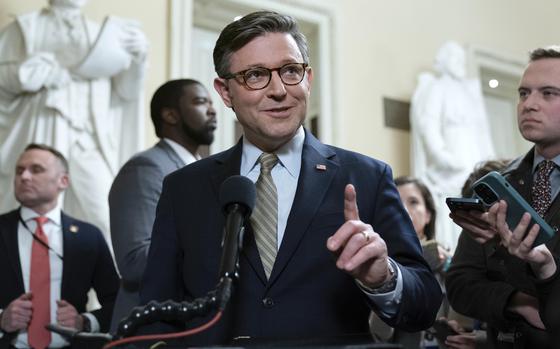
169 310
216 299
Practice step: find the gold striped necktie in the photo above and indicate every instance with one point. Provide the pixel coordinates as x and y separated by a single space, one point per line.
264 218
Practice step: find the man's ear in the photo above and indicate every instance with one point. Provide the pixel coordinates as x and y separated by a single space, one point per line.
221 86
64 181
309 78
169 116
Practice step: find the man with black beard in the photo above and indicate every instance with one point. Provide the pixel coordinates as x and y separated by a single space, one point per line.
184 119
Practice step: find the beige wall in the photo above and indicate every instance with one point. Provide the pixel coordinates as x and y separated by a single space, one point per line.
379 49
383 45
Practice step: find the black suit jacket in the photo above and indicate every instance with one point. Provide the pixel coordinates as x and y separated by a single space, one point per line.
483 277
306 295
87 264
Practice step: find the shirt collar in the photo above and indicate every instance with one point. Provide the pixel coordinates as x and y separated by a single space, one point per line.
53 215
289 155
538 158
182 152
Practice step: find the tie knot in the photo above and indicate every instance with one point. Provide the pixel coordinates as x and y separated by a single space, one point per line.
41 220
268 161
546 167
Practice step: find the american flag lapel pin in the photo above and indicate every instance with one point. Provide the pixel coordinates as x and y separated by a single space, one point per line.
321 167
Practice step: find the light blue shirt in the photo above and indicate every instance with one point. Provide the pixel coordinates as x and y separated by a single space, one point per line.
285 176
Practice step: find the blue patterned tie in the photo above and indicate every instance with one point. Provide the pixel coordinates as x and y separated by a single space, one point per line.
264 218
542 197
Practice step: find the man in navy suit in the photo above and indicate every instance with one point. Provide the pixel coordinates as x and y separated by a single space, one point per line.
76 255
332 265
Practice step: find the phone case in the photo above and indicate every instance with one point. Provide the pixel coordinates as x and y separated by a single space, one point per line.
493 187
465 204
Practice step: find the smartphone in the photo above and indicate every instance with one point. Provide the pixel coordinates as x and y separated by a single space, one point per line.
443 329
465 204
493 187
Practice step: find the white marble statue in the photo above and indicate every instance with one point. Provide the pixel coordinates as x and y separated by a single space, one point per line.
449 132
76 85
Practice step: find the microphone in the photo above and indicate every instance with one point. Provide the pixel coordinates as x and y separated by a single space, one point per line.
237 198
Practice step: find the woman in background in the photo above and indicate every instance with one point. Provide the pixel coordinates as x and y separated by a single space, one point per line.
421 208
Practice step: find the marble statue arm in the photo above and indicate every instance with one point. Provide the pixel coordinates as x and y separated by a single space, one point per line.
20 72
38 71
129 83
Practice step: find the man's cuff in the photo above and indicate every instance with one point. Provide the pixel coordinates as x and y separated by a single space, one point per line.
388 303
94 324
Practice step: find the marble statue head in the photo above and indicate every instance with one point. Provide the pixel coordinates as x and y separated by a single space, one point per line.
451 60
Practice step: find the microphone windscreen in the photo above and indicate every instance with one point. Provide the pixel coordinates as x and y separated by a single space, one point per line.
238 190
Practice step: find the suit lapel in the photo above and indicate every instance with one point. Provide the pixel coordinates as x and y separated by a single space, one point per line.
313 183
229 164
520 175
171 154
69 240
9 235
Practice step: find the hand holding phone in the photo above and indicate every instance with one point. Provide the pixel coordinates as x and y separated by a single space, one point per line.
443 330
493 187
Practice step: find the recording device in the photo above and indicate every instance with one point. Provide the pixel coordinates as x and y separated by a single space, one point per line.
493 187
443 329
465 204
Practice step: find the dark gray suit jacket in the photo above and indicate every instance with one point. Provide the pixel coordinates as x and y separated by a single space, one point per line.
132 202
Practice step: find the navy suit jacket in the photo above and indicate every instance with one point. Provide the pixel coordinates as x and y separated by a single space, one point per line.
306 295
87 264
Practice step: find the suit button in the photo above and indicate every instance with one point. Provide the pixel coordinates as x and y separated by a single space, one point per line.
268 302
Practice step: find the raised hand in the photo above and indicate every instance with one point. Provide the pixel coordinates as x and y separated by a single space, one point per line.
539 258
360 251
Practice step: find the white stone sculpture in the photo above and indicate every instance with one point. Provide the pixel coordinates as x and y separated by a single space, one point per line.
450 132
73 84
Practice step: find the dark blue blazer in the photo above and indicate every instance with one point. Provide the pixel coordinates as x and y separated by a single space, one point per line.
306 295
87 264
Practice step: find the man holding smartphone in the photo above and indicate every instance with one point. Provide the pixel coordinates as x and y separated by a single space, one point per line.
485 280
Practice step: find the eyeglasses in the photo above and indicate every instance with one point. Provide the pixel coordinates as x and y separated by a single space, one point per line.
259 78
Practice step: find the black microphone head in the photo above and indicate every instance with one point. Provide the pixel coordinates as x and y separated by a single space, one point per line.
238 190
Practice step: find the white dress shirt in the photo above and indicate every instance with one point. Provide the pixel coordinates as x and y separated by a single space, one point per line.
285 176
182 152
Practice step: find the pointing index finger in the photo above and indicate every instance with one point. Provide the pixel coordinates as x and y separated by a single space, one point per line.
350 204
